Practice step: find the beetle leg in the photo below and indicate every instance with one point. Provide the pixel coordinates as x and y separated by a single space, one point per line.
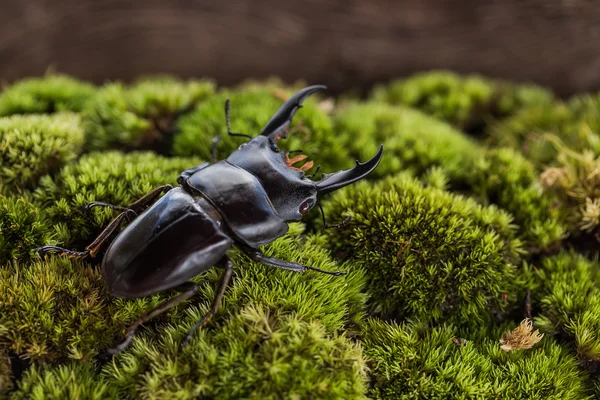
149 198
95 246
228 265
327 226
134 207
103 204
188 289
258 256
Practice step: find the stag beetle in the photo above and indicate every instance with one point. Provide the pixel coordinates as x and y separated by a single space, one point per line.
245 200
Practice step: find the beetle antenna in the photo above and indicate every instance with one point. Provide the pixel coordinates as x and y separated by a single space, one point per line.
213 148
227 101
316 172
327 226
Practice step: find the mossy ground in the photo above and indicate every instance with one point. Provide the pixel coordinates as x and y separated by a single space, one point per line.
484 211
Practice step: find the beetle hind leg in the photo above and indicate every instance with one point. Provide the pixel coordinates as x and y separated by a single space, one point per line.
189 289
228 265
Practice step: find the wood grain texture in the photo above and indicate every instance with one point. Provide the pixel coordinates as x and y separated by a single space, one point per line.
343 43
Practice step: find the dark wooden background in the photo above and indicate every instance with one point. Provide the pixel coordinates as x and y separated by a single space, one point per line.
342 43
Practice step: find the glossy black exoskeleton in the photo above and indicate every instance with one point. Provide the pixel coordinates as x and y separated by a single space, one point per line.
245 200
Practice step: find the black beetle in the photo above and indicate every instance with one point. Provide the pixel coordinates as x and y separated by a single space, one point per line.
245 200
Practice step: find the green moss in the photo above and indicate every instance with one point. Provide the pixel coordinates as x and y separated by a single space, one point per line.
251 108
55 309
48 94
22 228
447 232
469 102
575 123
5 374
414 361
417 143
70 381
504 177
412 140
111 177
569 297
143 116
34 145
428 253
257 354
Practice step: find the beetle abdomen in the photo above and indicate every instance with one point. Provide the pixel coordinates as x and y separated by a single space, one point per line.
241 200
178 241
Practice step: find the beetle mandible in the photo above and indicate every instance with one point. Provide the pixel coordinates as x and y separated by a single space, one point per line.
245 201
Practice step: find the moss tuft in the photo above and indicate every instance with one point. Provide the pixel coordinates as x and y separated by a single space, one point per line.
49 94
569 297
257 353
413 141
427 253
143 116
414 361
5 374
34 145
504 177
22 229
468 102
69 381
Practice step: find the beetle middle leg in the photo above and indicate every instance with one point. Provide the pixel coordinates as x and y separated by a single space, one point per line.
258 256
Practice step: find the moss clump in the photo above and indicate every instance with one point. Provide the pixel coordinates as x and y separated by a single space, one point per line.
34 145
416 143
535 130
468 102
504 177
69 381
569 297
412 140
428 253
54 309
111 177
49 94
414 361
22 229
143 116
5 373
255 354
576 183
251 108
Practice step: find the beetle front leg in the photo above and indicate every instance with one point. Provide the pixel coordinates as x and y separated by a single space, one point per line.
258 256
228 265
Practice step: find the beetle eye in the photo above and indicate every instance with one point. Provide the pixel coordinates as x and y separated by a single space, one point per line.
305 207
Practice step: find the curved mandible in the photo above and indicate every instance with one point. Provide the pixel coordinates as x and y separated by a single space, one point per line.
337 180
278 125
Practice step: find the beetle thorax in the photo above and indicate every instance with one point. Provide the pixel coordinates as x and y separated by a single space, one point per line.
290 192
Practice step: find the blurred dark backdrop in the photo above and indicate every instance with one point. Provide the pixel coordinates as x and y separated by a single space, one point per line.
342 43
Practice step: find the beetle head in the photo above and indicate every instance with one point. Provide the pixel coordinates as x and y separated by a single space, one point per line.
290 191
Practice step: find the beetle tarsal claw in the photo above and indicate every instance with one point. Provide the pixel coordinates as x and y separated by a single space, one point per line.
296 159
